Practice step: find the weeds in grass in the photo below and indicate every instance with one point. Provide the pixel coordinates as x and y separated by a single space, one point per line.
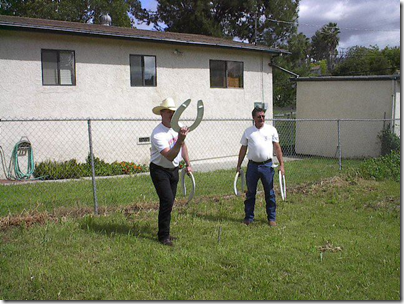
380 168
337 238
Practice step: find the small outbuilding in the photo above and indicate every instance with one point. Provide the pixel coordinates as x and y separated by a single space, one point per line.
345 112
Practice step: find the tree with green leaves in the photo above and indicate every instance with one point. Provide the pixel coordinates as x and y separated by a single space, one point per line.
255 21
191 16
75 10
297 62
324 44
360 60
267 22
300 48
393 55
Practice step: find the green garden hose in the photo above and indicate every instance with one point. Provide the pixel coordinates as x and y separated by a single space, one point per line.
22 147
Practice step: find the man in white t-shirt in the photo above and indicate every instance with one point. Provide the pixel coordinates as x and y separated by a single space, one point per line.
260 140
168 148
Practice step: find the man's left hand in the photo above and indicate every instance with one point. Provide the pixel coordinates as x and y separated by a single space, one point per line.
282 169
188 169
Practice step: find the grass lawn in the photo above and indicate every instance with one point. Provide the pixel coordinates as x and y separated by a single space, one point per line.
337 238
138 189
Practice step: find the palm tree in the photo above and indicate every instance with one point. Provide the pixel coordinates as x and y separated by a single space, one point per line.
329 35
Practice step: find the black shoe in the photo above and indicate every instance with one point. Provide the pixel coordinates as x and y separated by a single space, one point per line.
247 222
167 242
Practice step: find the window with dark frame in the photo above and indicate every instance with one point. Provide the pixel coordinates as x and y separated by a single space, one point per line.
143 71
226 74
58 67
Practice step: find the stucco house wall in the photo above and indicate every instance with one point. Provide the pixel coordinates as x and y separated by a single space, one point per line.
103 90
103 78
344 98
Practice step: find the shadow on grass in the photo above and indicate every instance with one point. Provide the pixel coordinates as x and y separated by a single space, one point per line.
139 230
224 218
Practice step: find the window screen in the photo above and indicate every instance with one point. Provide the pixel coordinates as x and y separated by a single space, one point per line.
58 67
142 71
226 74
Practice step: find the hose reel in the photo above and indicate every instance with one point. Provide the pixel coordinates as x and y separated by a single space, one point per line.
22 148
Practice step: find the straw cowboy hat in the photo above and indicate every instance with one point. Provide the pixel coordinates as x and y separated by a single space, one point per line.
167 103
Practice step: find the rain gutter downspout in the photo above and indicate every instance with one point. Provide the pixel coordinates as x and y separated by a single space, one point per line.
262 79
393 110
284 70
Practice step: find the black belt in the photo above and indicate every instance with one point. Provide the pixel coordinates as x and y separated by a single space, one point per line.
261 163
163 168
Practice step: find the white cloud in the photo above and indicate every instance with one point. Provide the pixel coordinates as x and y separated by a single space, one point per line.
388 39
337 12
362 22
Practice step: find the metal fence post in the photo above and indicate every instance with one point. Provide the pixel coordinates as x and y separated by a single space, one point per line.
339 145
90 141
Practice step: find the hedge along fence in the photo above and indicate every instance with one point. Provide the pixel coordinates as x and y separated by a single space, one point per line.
53 170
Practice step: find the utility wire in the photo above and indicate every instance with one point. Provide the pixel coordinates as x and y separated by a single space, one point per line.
335 27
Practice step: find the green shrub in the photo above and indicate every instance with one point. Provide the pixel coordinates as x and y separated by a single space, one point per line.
52 170
390 141
381 168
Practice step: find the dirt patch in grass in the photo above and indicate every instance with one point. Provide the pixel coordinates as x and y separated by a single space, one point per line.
28 218
329 247
322 186
389 203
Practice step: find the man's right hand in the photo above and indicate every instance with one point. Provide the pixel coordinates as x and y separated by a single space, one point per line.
183 134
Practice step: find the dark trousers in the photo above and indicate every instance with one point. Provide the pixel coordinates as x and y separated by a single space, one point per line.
165 181
254 173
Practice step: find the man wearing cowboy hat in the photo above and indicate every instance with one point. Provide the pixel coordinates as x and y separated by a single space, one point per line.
168 148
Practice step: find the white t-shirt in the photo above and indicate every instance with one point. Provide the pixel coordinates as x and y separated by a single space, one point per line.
259 142
161 138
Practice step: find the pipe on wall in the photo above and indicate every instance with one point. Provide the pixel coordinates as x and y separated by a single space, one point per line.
393 110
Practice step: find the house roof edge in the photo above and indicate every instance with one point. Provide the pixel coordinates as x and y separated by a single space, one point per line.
348 78
77 28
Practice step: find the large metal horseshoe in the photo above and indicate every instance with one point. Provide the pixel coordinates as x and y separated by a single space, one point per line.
184 188
282 184
236 192
174 120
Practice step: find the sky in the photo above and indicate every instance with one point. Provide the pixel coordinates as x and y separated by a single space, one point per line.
361 22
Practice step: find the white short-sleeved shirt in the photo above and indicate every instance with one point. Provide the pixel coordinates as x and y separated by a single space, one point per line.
161 138
259 142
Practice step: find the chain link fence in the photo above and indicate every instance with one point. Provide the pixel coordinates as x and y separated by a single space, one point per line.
92 162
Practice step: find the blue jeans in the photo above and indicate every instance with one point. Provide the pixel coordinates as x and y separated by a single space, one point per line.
266 174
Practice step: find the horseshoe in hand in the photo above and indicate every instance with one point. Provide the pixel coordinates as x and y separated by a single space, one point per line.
174 120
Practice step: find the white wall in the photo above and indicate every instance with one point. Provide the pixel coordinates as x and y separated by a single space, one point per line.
103 90
348 99
103 78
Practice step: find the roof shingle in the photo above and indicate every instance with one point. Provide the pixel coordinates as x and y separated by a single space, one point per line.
76 28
